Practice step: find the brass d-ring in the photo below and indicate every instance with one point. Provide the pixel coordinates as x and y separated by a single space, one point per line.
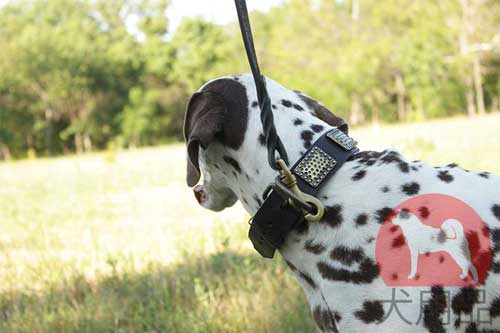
289 180
318 207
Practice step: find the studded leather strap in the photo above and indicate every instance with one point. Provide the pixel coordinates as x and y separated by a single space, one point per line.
275 217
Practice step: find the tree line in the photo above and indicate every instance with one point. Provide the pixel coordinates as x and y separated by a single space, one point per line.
78 75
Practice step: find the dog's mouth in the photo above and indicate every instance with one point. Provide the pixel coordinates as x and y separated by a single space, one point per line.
200 194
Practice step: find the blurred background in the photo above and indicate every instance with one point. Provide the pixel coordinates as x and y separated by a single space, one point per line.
98 231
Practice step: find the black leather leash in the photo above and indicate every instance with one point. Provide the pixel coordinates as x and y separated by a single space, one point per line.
282 209
273 141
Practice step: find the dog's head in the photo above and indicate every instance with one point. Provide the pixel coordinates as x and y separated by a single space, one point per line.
216 117
215 126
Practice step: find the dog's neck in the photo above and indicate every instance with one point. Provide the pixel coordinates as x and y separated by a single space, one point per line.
247 173
352 216
246 170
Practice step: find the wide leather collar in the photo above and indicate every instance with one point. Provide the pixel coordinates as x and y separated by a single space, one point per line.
276 217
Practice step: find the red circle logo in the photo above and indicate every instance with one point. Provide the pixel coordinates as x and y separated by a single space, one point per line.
433 239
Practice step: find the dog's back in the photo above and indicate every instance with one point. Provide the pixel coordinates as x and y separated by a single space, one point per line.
392 180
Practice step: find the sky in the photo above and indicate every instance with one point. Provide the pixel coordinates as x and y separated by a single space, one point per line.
217 11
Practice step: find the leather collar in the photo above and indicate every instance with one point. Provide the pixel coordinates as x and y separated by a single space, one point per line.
275 217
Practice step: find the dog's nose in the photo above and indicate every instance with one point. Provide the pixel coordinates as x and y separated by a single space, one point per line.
198 193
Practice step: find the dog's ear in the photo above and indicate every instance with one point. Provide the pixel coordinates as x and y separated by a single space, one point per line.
204 119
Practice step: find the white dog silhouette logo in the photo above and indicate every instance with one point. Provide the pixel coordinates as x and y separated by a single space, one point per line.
422 239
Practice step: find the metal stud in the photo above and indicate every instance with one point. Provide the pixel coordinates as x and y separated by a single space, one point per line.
315 166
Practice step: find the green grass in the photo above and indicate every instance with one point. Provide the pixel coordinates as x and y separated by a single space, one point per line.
116 242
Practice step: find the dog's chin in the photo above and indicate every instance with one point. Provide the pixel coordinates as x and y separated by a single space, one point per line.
217 207
217 203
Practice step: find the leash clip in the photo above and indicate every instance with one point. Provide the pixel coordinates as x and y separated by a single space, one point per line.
311 207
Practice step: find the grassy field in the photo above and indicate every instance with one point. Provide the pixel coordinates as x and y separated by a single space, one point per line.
115 242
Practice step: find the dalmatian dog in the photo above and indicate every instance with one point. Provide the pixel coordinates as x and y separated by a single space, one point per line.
423 239
335 259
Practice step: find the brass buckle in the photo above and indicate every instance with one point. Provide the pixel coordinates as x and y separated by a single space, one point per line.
287 185
287 194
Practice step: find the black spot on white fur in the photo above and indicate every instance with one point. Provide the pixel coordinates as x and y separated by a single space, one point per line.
382 214
404 167
307 137
495 308
445 176
366 273
484 175
359 175
232 162
347 256
361 219
298 107
495 238
463 302
496 211
372 311
367 158
394 157
298 122
317 128
410 188
255 104
314 248
286 103
434 309
333 215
